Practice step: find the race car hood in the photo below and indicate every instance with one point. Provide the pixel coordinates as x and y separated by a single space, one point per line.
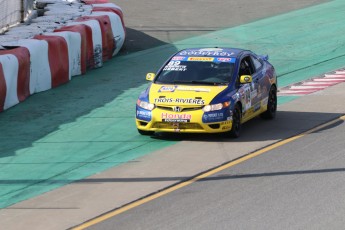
183 94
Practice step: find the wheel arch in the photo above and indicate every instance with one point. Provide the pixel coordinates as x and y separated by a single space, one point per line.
239 103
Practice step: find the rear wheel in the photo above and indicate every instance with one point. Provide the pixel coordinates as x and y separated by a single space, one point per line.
146 133
270 113
236 122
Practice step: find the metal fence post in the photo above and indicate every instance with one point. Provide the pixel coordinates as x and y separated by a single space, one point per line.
22 11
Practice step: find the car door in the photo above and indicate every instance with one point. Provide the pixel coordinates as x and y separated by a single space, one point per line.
252 100
258 80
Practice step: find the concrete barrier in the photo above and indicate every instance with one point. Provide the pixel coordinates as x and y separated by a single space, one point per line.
57 19
95 60
52 49
110 7
108 43
117 28
3 89
73 41
16 73
58 58
10 67
86 47
89 2
40 75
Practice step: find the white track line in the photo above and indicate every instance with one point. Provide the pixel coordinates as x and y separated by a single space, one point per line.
336 76
327 80
307 87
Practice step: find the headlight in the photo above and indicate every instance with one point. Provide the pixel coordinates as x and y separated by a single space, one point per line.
219 106
145 105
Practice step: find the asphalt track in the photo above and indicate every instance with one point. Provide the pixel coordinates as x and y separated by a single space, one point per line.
290 185
85 127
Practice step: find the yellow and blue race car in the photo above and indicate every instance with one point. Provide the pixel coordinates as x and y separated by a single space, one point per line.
207 90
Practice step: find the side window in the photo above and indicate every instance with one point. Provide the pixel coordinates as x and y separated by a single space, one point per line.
246 66
257 63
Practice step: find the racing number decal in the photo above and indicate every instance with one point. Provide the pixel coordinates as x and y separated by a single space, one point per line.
175 66
174 63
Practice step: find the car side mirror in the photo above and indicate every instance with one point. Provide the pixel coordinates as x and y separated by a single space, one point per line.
244 79
150 76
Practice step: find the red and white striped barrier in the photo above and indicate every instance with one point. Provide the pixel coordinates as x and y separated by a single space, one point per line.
86 47
110 7
95 61
108 44
3 89
16 75
96 34
73 41
89 2
116 27
58 58
40 75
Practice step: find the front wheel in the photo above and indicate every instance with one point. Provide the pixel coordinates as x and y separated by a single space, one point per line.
270 113
236 122
145 133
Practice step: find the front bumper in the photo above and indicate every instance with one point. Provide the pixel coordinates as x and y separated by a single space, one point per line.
160 120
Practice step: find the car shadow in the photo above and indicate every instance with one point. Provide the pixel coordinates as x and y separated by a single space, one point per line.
45 112
285 125
138 41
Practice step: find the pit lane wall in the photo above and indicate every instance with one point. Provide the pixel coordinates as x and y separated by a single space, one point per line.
71 38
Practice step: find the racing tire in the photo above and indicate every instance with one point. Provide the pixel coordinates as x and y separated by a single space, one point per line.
270 113
146 133
236 122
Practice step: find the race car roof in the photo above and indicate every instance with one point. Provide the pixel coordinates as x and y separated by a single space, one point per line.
212 52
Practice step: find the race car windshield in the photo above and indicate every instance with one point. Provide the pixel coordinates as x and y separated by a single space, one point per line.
196 72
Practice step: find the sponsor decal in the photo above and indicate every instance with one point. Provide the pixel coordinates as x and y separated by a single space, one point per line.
214 115
164 100
253 93
180 100
236 96
211 49
247 98
176 118
231 60
206 52
257 107
210 59
190 101
179 58
182 88
144 115
219 116
167 89
175 68
226 127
